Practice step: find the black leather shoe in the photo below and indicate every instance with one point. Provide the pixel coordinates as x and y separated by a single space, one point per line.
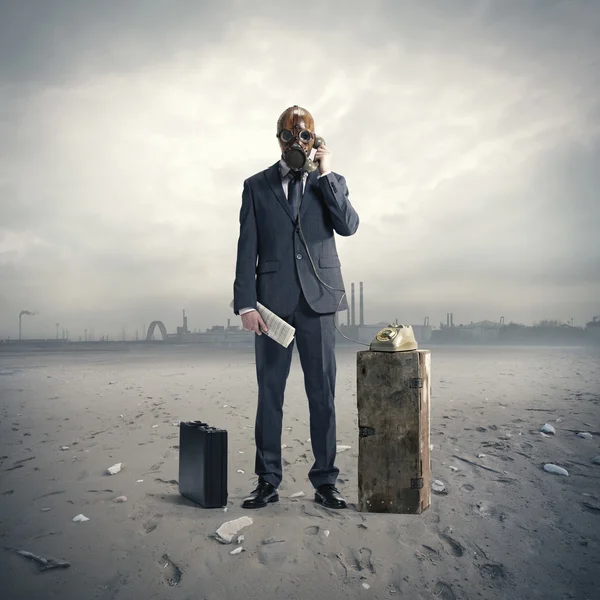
261 496
328 495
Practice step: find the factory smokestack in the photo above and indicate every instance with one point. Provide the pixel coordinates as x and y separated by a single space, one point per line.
353 314
361 305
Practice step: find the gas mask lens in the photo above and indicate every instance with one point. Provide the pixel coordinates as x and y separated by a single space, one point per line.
286 136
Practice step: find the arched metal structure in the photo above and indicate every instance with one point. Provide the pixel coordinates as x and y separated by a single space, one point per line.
161 326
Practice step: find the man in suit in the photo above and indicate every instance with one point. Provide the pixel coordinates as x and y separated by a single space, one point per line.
287 222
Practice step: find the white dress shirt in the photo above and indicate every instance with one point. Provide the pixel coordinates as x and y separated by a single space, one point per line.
284 171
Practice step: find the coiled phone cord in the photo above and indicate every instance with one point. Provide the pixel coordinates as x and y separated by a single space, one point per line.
317 275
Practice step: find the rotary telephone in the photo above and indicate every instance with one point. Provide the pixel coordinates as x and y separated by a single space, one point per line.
395 338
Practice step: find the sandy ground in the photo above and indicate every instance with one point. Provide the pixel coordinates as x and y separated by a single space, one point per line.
519 534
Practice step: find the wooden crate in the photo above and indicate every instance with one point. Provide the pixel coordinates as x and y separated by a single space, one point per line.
394 470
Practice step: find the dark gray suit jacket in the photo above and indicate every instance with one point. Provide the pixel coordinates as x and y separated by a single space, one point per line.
272 263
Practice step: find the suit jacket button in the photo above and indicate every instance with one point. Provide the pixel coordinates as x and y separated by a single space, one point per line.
298 256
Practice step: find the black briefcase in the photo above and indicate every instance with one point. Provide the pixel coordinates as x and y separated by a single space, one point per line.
203 464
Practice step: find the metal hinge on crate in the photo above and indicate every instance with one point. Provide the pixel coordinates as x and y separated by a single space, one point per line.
366 431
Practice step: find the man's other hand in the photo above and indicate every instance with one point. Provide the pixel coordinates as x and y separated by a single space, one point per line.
252 321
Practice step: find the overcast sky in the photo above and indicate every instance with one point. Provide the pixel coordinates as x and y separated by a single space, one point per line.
468 132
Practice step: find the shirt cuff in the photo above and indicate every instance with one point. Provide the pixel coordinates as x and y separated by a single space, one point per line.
323 175
245 310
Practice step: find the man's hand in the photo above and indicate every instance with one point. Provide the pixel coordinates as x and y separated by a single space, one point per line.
323 156
252 321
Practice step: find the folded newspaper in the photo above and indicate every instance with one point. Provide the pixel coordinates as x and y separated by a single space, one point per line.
277 328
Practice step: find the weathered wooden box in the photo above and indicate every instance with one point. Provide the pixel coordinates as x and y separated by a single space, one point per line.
394 470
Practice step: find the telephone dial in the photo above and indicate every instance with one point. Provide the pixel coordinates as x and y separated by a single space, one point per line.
395 338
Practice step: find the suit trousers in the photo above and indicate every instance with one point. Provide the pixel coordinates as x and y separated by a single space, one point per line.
315 337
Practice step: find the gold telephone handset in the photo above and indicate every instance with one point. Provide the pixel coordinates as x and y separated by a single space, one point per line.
311 165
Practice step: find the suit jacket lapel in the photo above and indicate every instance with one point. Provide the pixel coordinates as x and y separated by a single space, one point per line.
274 181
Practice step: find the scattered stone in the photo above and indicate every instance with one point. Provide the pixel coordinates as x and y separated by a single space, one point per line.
547 428
438 487
297 495
240 471
45 509
596 460
121 499
481 455
228 530
240 539
237 550
362 526
80 518
46 563
366 586
154 426
453 468
343 448
585 435
326 533
272 541
140 481
114 469
550 468
544 434
64 447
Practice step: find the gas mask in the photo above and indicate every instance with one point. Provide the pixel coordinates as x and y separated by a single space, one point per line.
297 139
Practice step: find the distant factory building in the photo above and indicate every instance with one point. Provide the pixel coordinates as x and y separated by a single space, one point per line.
483 331
362 332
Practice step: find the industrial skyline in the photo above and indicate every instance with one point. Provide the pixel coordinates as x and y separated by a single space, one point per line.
130 332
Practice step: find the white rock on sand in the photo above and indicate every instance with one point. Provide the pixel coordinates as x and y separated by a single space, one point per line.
114 469
80 518
438 487
228 530
550 468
